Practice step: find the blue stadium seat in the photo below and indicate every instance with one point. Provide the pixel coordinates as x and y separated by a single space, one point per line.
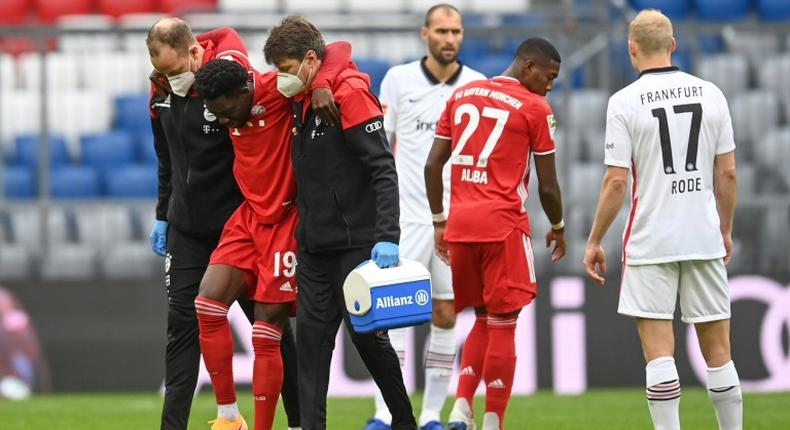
522 19
27 151
491 65
376 68
132 113
773 10
107 151
74 182
146 152
19 182
722 10
474 47
132 182
674 9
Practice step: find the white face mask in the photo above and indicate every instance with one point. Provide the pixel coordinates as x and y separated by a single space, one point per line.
290 85
182 82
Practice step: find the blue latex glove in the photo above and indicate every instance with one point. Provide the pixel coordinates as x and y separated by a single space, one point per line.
158 237
385 254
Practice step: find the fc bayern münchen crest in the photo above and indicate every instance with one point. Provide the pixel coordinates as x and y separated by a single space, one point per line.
257 110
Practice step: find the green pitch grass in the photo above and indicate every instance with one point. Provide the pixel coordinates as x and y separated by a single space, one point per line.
598 409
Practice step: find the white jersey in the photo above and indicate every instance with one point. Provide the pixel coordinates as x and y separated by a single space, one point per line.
413 100
668 127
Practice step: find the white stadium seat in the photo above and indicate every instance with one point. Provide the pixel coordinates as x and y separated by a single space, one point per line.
773 74
231 6
63 71
356 6
729 71
302 6
74 113
114 73
498 6
69 262
20 113
754 114
8 75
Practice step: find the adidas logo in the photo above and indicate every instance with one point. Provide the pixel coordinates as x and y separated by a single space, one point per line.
286 287
260 398
468 371
496 383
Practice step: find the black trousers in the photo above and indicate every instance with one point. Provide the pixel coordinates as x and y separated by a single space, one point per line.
184 267
320 308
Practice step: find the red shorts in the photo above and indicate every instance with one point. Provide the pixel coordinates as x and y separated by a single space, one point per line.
499 276
266 253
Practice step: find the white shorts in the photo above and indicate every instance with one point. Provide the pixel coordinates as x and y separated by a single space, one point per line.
416 243
651 291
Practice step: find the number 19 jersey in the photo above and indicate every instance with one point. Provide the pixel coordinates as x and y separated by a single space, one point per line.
494 126
668 127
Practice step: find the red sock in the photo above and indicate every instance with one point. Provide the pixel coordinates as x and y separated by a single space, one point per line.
500 364
267 374
472 360
216 344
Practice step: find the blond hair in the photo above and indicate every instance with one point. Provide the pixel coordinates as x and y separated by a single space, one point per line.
651 30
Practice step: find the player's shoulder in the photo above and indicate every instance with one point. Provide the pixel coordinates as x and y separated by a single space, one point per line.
709 89
404 71
350 82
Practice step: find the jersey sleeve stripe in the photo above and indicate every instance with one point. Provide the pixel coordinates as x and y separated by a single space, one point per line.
616 163
442 137
545 152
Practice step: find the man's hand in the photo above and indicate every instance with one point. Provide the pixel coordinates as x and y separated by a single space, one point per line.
158 237
324 106
727 247
558 238
385 254
160 82
595 259
440 245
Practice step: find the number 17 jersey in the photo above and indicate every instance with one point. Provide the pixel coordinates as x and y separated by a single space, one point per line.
668 127
494 126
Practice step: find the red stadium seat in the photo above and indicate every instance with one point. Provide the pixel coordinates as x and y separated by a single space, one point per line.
14 11
176 7
117 8
50 10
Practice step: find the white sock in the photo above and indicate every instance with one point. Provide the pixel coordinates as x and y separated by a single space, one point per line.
439 360
663 393
229 412
461 412
398 341
491 421
724 390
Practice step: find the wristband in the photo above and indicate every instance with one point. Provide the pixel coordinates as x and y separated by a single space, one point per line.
437 218
559 226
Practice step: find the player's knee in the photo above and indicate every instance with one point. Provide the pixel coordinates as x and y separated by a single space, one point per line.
273 313
443 314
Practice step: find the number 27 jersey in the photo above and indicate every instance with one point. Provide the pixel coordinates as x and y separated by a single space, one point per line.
494 126
668 127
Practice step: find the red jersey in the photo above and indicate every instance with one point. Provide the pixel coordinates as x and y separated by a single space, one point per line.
494 125
262 147
224 43
263 151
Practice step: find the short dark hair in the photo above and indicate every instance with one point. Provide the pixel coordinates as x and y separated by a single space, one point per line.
292 39
444 6
173 32
219 78
538 48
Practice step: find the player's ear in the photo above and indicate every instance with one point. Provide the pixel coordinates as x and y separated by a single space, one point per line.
632 48
424 34
673 46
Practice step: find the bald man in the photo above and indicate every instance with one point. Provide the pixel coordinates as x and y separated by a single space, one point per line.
673 132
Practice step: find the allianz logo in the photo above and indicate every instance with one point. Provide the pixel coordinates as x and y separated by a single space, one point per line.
421 297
